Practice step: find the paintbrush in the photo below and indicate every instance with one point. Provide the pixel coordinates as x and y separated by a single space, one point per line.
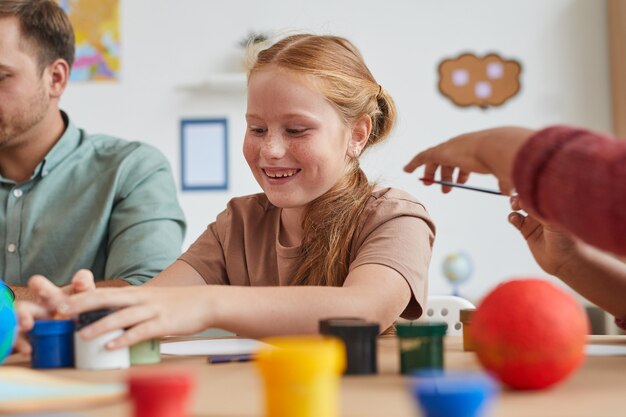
456 184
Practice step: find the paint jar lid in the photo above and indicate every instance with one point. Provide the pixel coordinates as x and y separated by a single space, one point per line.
419 329
301 356
348 329
161 394
465 315
152 384
452 394
88 317
52 327
325 323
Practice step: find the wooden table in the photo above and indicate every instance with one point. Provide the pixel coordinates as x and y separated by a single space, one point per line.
597 388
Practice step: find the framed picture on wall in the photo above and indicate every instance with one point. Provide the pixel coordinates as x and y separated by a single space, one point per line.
204 154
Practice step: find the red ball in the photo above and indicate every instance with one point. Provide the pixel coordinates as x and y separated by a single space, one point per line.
529 333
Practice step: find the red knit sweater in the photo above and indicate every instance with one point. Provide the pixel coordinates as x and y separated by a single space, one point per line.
576 179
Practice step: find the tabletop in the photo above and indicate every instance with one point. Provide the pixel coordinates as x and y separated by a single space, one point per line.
236 390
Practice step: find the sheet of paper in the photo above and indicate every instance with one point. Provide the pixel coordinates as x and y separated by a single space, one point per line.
17 390
46 414
203 347
27 390
605 350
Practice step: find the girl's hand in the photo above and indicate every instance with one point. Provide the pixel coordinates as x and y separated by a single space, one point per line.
49 298
146 312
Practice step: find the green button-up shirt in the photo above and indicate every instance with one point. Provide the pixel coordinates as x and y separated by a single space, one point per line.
94 202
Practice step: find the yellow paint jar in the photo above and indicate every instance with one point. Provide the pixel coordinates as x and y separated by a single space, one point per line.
466 318
301 376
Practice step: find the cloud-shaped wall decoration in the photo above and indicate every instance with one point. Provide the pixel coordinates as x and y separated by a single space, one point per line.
469 80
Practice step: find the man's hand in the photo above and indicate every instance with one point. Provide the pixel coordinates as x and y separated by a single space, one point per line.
83 280
48 299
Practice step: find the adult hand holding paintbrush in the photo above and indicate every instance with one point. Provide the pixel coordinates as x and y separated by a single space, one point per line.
572 184
489 151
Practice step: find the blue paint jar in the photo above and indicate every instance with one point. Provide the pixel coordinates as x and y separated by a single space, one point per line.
53 344
453 394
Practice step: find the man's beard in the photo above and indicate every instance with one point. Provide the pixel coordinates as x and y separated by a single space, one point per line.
16 126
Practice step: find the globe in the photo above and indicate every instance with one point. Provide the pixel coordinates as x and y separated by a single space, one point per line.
457 268
8 323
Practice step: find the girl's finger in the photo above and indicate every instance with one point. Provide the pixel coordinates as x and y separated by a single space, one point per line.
101 298
146 330
121 319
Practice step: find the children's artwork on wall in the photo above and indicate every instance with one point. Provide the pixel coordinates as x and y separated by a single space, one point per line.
204 154
470 80
97 30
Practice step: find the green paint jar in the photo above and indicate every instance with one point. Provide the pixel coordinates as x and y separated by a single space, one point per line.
146 352
421 345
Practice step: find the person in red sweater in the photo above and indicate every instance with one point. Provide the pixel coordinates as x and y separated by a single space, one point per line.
572 184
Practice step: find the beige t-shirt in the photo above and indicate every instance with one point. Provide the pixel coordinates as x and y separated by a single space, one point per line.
242 248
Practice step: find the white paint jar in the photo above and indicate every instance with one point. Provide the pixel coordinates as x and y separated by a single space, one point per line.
92 354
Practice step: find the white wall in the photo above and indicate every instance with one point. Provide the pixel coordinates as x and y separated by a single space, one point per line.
562 45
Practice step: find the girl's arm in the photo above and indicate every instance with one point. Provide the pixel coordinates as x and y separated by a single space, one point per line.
178 274
373 292
46 296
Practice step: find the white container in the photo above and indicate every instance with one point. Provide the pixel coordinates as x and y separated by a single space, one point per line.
92 354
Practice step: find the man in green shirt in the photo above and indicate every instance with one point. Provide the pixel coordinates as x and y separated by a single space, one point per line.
69 200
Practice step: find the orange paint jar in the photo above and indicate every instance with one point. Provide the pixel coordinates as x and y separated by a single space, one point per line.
466 318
